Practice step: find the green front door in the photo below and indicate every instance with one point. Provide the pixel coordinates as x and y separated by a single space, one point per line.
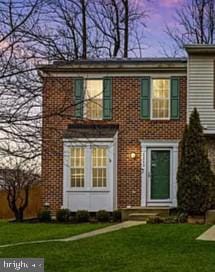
160 174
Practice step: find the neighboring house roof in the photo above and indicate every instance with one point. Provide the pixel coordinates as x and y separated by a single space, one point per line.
96 130
204 49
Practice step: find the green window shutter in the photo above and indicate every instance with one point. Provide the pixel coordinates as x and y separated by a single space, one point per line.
175 83
79 97
145 98
107 98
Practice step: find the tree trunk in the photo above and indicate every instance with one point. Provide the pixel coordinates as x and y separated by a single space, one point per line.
126 26
117 38
84 29
19 215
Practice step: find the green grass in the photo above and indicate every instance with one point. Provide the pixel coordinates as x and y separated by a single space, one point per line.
16 232
151 248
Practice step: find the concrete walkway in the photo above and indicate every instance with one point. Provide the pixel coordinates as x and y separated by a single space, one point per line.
126 224
208 235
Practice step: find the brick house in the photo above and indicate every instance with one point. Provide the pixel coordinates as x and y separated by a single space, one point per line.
111 128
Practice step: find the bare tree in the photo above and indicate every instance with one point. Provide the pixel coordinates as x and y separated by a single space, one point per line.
195 23
89 28
116 21
64 35
17 178
75 29
20 88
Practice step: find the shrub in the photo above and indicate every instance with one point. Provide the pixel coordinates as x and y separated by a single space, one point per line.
63 215
82 216
170 220
103 216
155 220
44 216
196 181
117 216
182 217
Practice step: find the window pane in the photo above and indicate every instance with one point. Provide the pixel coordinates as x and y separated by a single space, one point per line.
160 98
94 99
77 167
99 167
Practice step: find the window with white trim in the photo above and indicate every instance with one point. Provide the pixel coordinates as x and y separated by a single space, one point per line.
93 108
99 167
77 166
160 96
89 166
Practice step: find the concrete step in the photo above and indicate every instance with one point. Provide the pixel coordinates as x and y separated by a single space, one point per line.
141 216
146 211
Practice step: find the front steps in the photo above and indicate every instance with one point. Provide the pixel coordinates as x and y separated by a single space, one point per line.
144 213
141 216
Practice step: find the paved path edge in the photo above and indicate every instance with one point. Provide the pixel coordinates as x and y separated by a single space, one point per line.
208 235
123 225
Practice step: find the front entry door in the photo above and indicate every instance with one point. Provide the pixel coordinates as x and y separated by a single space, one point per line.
159 175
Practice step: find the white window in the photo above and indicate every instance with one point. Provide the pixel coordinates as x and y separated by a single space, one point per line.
99 167
160 99
93 99
89 166
77 167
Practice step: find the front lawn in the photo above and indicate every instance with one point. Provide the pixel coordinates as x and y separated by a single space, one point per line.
151 248
17 232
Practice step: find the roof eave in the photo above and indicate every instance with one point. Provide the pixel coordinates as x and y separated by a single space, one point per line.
202 49
115 68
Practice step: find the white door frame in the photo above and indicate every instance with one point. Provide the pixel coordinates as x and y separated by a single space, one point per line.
149 199
145 160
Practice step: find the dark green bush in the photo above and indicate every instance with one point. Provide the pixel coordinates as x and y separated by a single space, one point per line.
82 216
44 216
155 220
182 217
103 216
196 181
63 215
117 216
170 220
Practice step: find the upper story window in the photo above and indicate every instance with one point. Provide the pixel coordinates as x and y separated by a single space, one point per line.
93 98
93 106
160 99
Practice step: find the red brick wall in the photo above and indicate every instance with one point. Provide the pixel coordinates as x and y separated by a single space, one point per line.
132 129
126 112
57 112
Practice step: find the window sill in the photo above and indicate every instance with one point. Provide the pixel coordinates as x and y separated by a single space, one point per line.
159 120
88 190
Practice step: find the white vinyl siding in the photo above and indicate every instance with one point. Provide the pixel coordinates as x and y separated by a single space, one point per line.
201 89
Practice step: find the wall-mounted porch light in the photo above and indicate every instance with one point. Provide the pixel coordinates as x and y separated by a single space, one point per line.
46 205
133 155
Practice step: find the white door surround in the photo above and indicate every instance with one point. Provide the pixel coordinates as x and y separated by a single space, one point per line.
88 197
146 148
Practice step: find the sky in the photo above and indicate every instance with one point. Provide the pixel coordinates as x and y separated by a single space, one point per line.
161 12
